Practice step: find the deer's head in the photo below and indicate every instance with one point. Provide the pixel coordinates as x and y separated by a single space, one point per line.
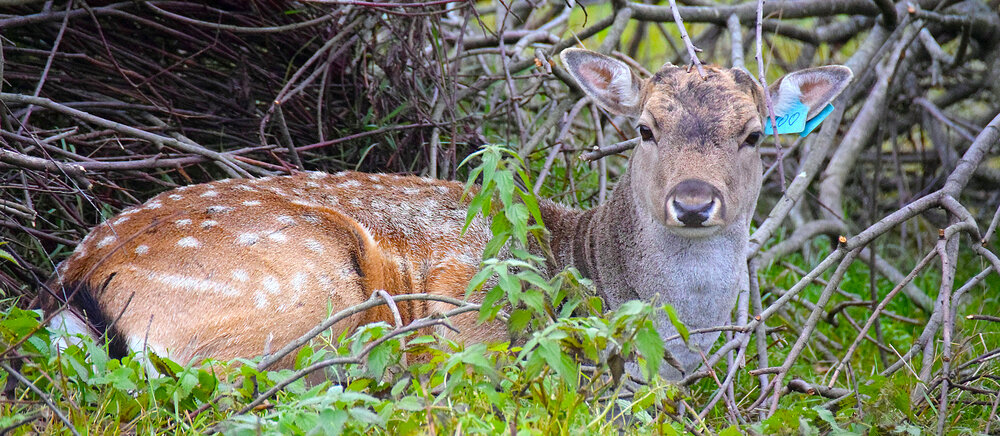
697 168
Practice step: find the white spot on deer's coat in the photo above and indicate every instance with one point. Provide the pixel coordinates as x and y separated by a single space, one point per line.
175 197
154 205
129 211
304 203
142 249
218 209
271 284
189 242
411 191
260 300
311 219
247 188
277 237
340 173
349 184
183 188
374 177
314 245
356 202
208 223
192 283
312 184
251 203
247 239
285 219
442 189
121 220
241 275
277 191
209 194
298 282
183 222
317 174
106 241
378 186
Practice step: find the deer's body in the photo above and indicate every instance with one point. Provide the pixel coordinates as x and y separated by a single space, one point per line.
234 268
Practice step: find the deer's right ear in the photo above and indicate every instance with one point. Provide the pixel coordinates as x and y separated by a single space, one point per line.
610 82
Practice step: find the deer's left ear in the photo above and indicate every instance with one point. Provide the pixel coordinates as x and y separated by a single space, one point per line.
802 99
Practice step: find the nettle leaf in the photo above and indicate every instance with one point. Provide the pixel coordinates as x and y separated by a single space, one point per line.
410 403
650 345
380 357
517 214
681 328
505 187
519 320
559 361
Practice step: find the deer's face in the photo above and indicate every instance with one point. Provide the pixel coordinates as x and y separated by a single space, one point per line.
697 168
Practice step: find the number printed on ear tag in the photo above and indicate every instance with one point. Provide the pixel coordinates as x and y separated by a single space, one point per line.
794 120
791 121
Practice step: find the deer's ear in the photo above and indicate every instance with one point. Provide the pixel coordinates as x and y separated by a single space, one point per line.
610 82
802 99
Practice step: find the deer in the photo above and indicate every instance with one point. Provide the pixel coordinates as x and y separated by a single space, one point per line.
231 268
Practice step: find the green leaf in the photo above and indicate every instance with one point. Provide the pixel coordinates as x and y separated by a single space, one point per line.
559 361
505 187
410 403
681 328
6 256
650 345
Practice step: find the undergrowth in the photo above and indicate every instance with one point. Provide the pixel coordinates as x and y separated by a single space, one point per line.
564 377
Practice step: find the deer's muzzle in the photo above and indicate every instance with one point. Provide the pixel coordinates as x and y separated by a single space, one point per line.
695 203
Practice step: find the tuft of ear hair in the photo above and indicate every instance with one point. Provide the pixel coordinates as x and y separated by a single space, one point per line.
610 82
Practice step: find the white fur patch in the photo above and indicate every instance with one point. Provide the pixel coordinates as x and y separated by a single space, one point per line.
121 220
271 284
69 323
209 194
175 197
183 222
241 275
286 220
142 249
209 223
107 240
218 209
247 239
314 245
251 203
188 242
349 184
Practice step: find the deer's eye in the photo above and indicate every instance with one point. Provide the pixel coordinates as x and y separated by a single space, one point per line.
647 135
752 139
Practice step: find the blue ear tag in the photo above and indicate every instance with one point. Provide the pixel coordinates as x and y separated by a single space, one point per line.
815 121
794 120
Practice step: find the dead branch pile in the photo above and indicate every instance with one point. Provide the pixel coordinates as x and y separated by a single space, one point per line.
107 103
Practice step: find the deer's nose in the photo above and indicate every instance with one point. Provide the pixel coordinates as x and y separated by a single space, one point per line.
692 202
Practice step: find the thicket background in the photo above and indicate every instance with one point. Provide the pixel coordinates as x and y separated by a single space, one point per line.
875 301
